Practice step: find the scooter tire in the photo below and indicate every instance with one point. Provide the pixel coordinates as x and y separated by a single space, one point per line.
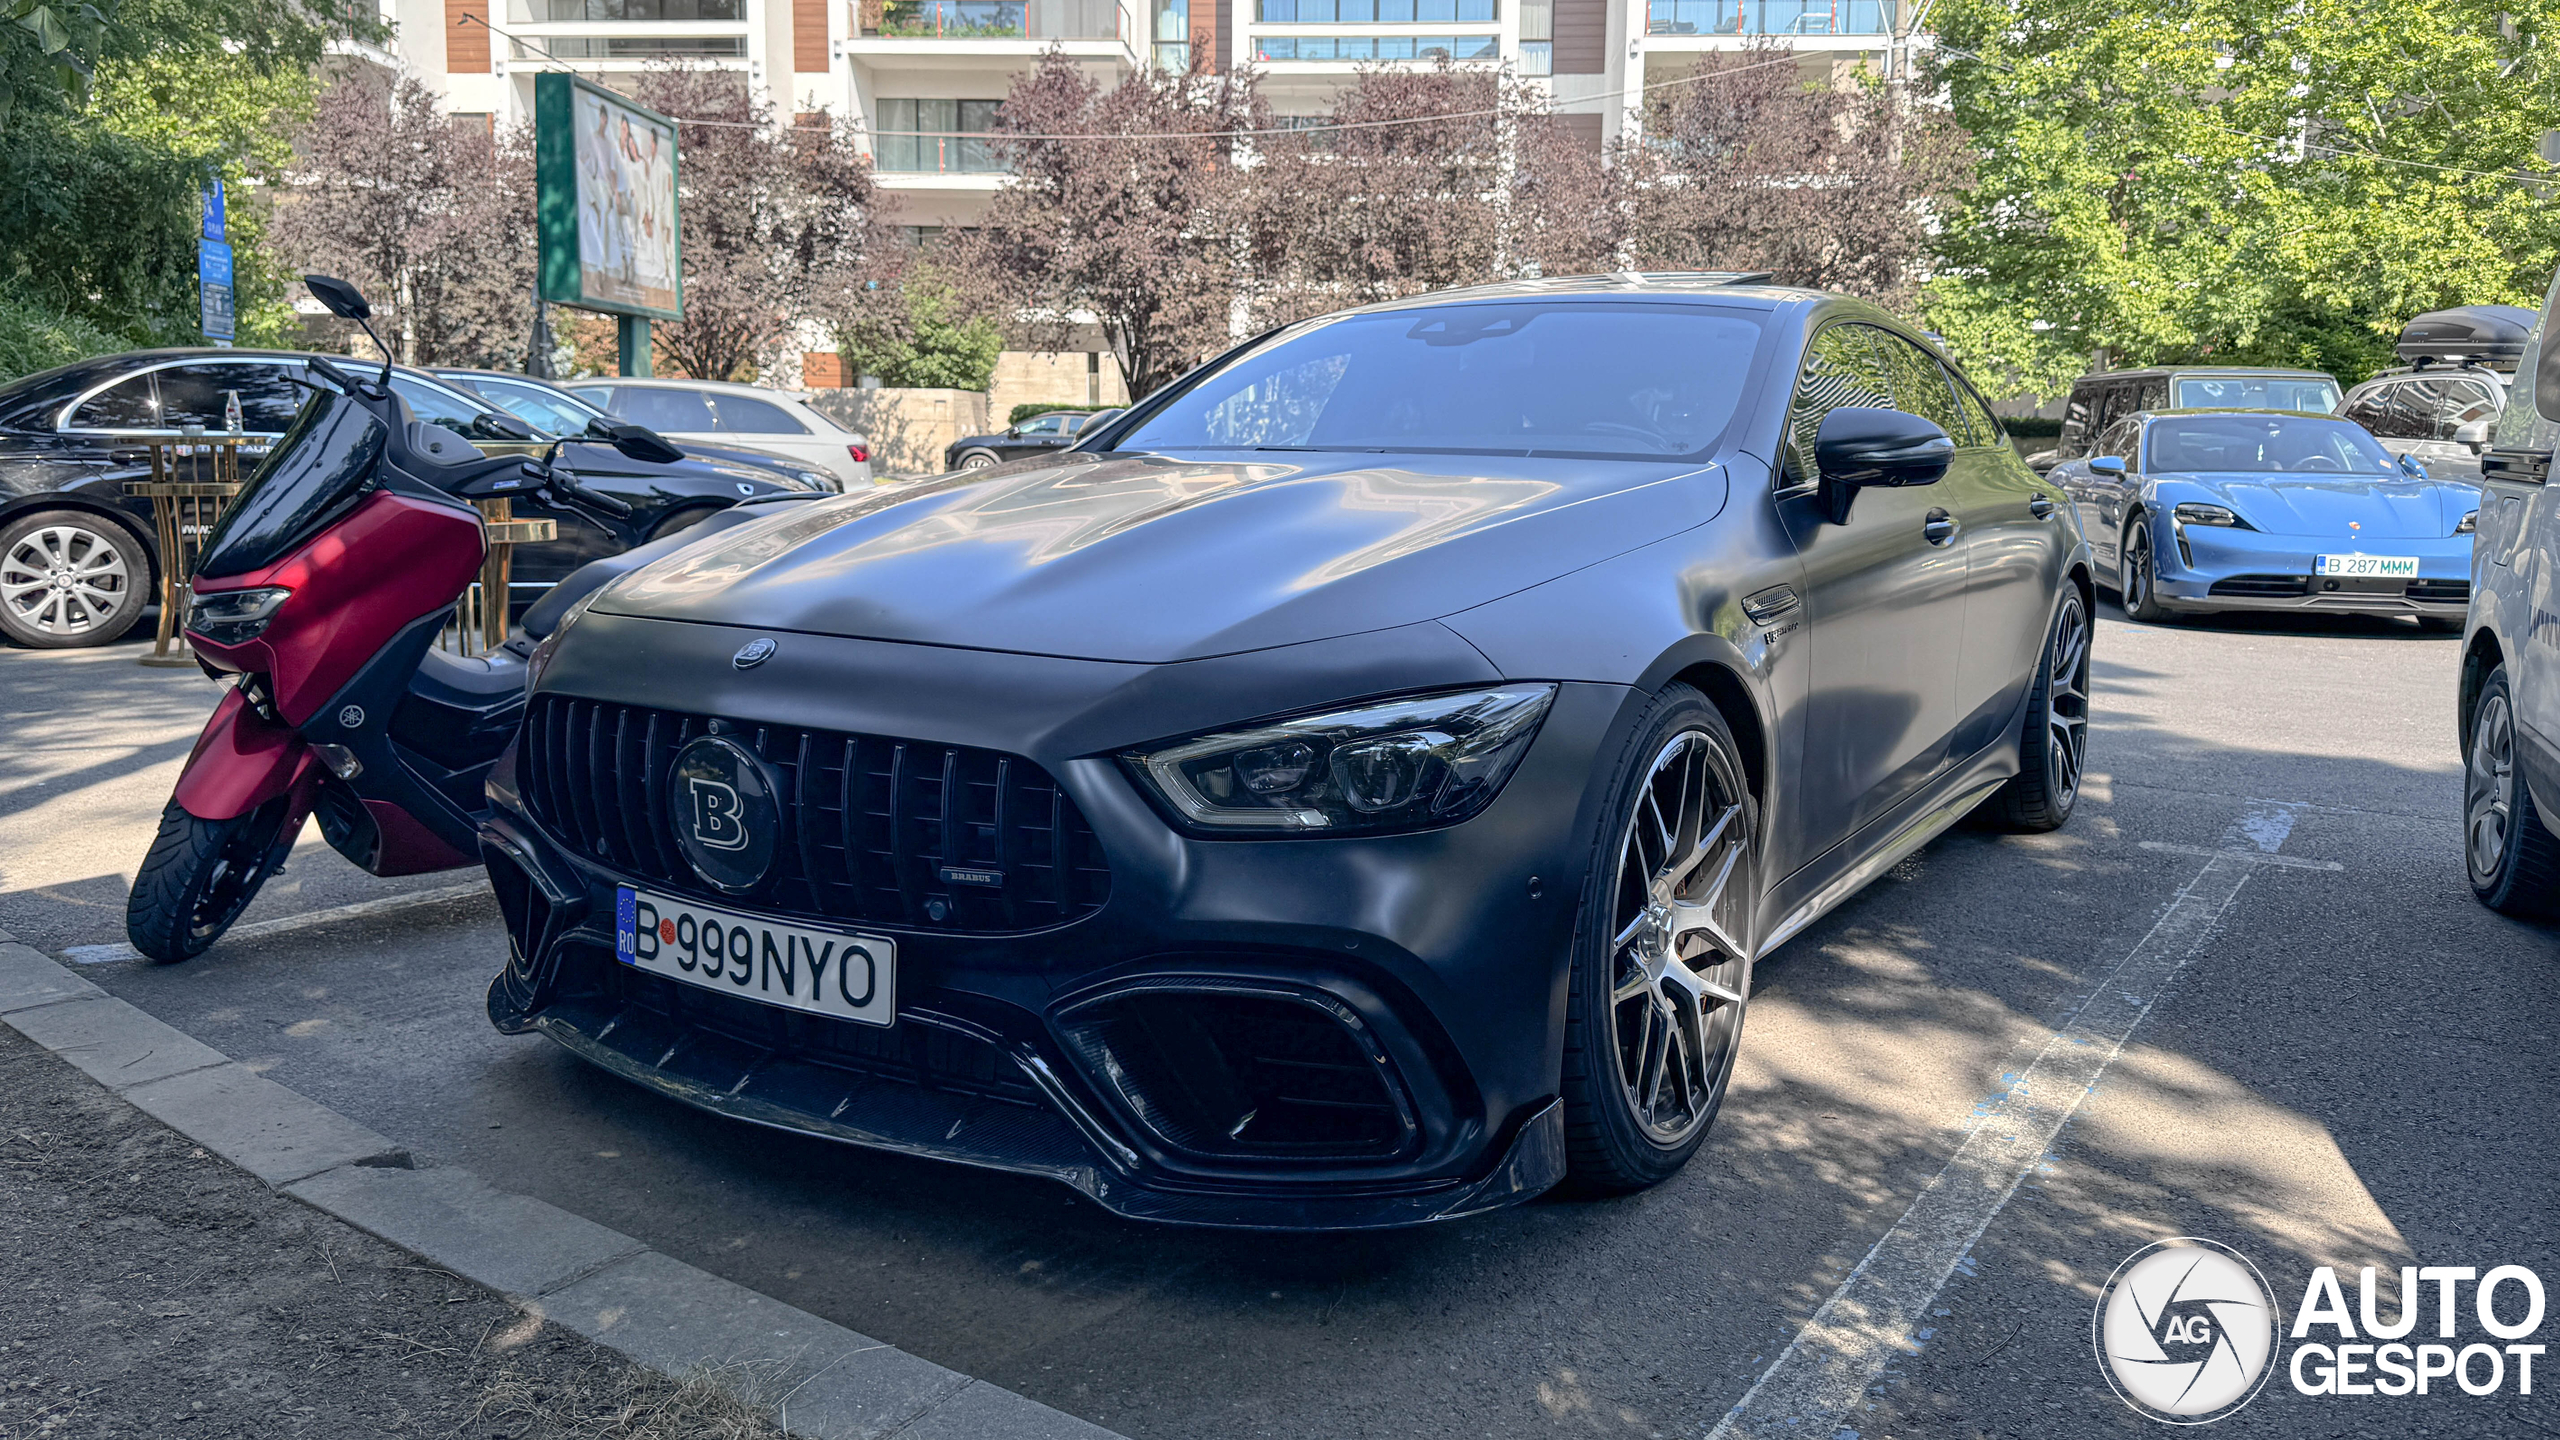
199 876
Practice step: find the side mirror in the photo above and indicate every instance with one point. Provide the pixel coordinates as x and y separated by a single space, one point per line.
2410 467
1013 432
641 443
1858 447
2109 467
344 300
2472 433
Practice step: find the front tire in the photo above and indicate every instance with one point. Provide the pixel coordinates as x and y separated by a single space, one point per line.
69 578
2138 574
1661 966
979 460
2512 857
199 876
2054 745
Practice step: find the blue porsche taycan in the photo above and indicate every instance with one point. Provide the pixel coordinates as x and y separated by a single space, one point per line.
2206 510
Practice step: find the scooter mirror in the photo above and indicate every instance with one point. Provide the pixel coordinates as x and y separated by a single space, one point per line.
344 300
641 443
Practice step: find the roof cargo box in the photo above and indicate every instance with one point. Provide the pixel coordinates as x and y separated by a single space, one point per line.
2491 335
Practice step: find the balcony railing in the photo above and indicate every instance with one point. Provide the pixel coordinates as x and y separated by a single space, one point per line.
1769 17
999 20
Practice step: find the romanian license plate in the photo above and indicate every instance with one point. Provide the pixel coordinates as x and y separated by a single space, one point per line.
821 972
2368 567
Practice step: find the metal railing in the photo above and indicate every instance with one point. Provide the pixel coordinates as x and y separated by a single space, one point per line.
1000 20
1769 17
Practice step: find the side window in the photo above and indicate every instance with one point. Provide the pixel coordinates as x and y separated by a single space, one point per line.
2365 406
126 405
1841 367
202 394
2459 401
2153 395
2074 440
2118 440
1978 418
2407 411
1049 424
740 415
665 411
1920 385
435 405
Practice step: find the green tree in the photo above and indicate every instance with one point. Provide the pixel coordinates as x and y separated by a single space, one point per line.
2242 181
912 339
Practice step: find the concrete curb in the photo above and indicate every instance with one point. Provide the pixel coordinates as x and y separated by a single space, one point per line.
605 1285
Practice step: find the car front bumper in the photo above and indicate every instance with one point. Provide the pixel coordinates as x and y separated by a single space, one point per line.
1432 964
2211 568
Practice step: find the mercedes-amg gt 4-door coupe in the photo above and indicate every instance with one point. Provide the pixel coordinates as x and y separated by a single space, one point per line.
1349 789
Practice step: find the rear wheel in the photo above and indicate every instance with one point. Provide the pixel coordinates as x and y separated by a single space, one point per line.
2138 573
70 578
978 460
2510 852
200 875
1662 955
2055 742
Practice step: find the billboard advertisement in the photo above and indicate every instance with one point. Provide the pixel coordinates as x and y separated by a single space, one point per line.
605 170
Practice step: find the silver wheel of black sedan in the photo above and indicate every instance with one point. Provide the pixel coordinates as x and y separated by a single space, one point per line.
1659 994
69 579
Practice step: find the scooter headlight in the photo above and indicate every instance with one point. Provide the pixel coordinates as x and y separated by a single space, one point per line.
1407 764
233 617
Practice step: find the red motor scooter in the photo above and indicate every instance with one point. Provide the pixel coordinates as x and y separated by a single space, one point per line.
320 594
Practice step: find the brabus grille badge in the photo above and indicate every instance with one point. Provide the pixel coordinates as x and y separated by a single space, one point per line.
967 875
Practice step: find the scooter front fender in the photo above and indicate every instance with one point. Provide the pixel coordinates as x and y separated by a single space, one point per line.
242 761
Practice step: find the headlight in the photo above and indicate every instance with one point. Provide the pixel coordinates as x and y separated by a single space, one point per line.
2194 513
233 617
2469 523
1396 765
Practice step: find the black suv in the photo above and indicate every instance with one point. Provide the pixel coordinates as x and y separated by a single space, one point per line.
78 561
2099 401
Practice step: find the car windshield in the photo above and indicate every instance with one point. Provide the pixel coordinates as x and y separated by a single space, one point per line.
549 411
2316 393
1593 379
2273 444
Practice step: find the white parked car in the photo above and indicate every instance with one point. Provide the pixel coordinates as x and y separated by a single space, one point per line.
714 412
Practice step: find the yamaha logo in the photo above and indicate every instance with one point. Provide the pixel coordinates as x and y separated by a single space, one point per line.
2185 1332
725 815
753 654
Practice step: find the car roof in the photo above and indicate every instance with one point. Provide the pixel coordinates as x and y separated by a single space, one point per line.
2237 410
2149 371
1725 286
717 387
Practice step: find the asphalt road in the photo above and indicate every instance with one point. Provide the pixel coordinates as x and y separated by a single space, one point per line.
2356 1067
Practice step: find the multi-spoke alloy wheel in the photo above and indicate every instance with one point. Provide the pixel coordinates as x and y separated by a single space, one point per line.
1660 992
2138 578
2054 746
68 580
2513 858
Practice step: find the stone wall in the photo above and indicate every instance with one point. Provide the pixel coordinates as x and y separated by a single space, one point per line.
1054 377
908 429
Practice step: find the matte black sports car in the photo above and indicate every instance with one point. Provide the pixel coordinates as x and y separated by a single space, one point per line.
1351 789
78 556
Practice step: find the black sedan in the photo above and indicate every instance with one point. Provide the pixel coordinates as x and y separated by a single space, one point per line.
1350 789
1039 435
554 411
78 557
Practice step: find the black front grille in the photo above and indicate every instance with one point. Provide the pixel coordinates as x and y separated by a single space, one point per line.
2451 592
890 831
2260 587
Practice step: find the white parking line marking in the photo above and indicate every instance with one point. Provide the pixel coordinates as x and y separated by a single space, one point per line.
286 924
1825 1372
2206 853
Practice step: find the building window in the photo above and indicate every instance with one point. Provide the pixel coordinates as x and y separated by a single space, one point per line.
953 19
559 12
934 137
1377 47
1173 34
1768 17
1369 12
633 47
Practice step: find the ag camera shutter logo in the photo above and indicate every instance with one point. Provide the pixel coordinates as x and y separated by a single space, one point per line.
2185 1332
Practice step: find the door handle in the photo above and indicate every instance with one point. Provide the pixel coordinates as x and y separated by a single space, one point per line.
2041 508
1939 527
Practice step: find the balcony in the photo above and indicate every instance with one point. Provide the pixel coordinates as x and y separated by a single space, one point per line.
935 137
996 20
1789 18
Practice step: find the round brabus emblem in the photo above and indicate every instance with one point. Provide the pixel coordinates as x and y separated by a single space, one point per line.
725 816
2185 1331
753 654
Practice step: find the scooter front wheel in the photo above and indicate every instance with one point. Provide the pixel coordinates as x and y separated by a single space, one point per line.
200 875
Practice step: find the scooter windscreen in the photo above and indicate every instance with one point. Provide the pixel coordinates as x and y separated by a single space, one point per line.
316 472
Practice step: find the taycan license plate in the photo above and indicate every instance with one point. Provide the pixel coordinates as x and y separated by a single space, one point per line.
822 972
2369 567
